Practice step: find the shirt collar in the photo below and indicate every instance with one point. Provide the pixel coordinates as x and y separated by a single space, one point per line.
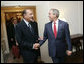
56 21
26 21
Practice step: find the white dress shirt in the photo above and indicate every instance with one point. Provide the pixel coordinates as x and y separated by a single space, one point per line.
57 21
26 22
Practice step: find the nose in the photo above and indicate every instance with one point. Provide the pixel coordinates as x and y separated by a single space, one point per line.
32 15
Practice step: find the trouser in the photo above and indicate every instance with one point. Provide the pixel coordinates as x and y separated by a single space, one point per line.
29 57
58 59
29 60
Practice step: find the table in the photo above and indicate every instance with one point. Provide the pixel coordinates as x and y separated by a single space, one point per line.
75 40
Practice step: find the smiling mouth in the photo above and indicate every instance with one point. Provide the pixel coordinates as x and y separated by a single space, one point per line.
32 19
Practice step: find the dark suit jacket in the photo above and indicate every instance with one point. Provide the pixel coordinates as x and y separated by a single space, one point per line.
57 46
35 27
25 37
11 34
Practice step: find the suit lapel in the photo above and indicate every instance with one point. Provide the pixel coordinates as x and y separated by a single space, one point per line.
51 29
58 27
59 23
25 26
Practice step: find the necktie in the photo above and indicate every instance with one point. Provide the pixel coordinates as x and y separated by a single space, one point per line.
31 29
55 31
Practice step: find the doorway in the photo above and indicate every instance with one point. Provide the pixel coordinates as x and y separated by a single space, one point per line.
12 17
6 14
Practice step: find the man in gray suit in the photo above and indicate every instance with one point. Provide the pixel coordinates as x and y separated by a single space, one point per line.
58 35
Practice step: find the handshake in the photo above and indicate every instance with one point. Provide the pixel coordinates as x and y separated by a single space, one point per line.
36 46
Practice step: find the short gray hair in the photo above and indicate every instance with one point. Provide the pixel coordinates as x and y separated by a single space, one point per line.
23 12
55 11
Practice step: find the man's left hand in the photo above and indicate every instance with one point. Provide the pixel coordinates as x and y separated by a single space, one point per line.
69 52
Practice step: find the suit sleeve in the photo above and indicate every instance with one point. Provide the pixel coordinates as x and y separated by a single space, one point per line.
19 39
45 36
36 30
67 35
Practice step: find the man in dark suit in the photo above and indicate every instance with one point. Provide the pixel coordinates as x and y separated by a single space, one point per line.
11 32
26 39
58 35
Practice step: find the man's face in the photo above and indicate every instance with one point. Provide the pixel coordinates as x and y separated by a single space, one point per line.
51 16
29 15
15 21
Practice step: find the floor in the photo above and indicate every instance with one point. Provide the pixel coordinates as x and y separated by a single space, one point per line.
76 57
16 60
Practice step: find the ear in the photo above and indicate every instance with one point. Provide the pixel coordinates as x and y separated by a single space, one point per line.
25 15
54 15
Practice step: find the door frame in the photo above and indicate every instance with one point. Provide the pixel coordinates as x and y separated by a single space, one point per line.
3 21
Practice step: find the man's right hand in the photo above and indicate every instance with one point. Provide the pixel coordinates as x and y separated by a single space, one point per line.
16 43
36 46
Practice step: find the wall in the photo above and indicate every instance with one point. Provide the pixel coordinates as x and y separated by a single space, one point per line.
71 11
42 16
42 8
80 14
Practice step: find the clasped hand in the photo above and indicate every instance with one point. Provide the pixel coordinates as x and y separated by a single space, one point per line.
36 46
